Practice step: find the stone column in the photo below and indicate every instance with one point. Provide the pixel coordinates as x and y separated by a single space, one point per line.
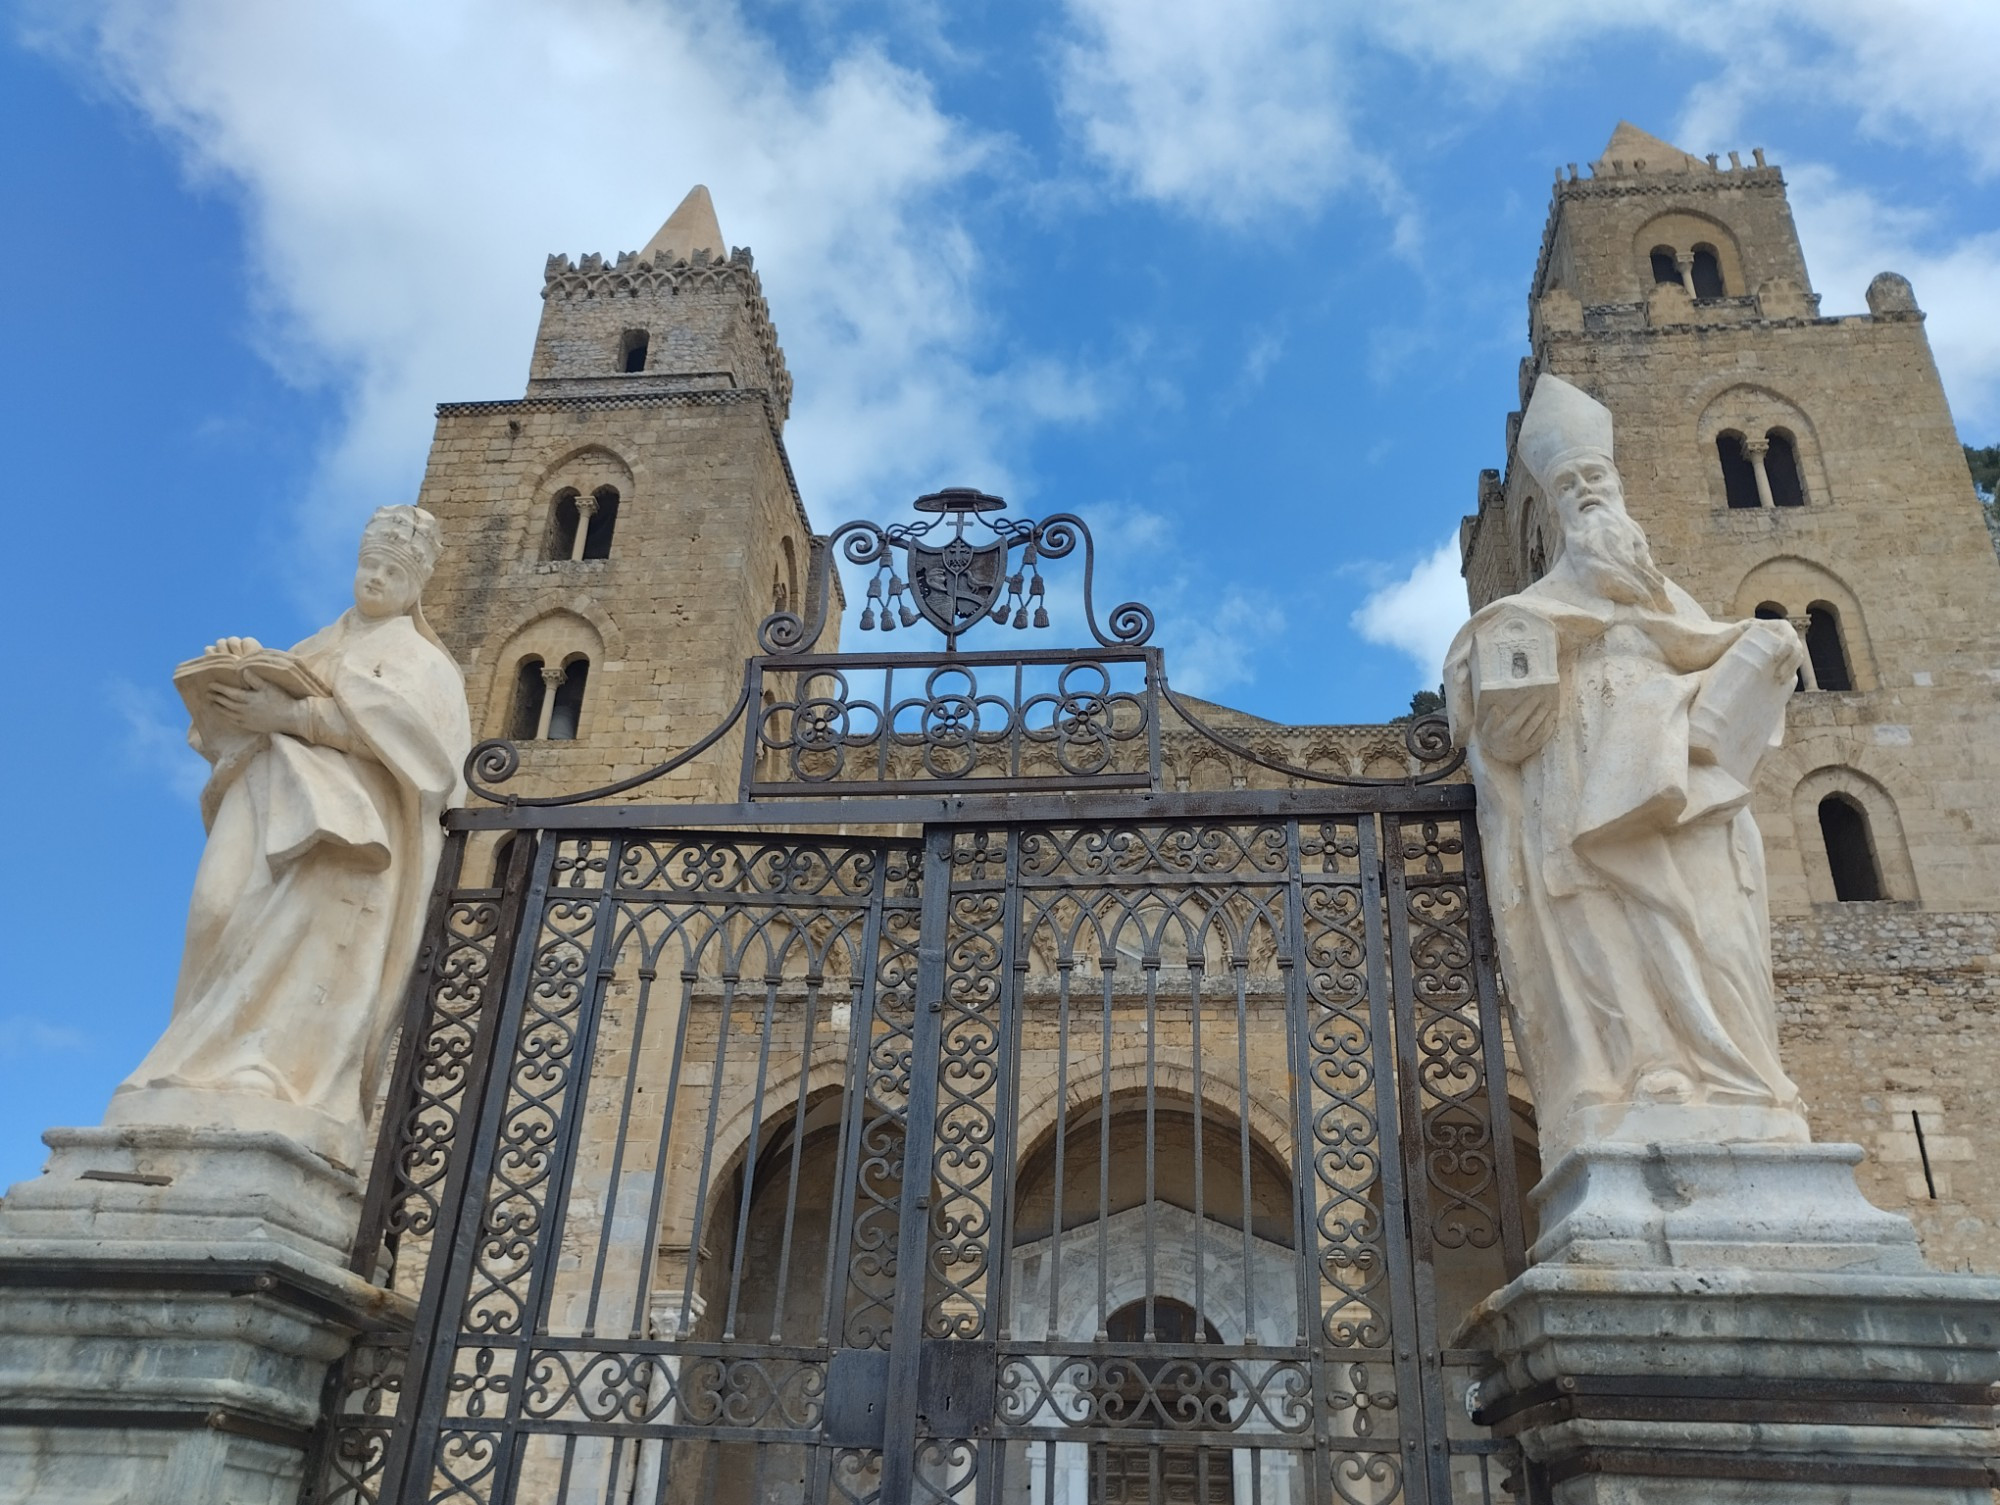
1801 625
1754 451
1684 264
553 676
586 509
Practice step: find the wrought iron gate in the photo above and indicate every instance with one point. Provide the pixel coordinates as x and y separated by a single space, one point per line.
1088 1147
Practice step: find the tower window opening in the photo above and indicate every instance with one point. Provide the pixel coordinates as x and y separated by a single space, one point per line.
563 518
1739 476
632 351
567 714
1666 268
603 523
1706 274
524 720
1850 851
1825 648
1781 467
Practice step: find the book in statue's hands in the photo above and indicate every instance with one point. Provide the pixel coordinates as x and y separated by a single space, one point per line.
275 667
1740 711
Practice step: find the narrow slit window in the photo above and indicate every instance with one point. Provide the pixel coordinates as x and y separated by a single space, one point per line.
1707 274
567 714
632 351
563 518
1781 468
1825 648
1739 477
603 523
1850 851
525 718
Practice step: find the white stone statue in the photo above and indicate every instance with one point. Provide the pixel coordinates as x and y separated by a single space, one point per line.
1614 730
332 766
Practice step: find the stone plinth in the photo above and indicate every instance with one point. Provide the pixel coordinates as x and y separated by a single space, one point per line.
1710 1325
172 1299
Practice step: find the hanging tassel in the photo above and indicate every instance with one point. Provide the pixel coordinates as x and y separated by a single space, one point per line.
1021 619
909 617
868 619
1041 616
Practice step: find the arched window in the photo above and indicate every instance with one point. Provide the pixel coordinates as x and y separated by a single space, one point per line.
1850 851
632 350
1665 267
563 517
1781 470
603 522
1825 649
524 721
1739 477
566 715
1177 1394
1707 274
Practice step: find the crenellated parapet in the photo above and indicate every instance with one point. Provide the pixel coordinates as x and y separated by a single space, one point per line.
698 316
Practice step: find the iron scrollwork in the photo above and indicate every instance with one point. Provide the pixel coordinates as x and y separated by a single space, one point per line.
933 571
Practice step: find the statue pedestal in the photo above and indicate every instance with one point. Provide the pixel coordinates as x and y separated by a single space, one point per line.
172 1299
1723 1325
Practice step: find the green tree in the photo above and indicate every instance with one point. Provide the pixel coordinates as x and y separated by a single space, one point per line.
1425 703
1985 467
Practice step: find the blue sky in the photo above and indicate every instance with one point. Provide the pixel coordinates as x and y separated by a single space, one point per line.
1244 284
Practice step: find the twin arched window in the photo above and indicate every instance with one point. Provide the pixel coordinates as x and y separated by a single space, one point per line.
1827 666
1760 472
1698 270
548 703
580 527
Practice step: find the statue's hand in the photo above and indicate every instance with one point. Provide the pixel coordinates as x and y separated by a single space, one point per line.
232 647
1514 727
258 708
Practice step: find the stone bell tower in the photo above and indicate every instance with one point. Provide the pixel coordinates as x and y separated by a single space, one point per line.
1787 464
613 538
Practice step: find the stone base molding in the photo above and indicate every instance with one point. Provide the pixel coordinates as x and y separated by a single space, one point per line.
170 1301
1796 1363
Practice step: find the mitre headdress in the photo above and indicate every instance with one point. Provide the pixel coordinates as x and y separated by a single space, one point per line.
408 534
1561 421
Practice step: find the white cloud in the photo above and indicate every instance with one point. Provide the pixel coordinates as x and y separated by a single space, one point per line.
1851 234
1418 614
404 169
1224 111
156 737
1229 112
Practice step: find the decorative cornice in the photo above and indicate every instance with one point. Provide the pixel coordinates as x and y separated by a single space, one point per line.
631 275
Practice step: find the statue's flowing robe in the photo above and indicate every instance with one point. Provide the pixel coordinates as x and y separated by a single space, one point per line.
1626 875
310 897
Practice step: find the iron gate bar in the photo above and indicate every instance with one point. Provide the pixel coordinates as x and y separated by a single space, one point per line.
1499 1103
366 1254
1422 1484
1417 1201
906 1349
412 1456
840 815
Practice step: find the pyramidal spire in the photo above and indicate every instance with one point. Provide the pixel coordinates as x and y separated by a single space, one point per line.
689 229
1633 147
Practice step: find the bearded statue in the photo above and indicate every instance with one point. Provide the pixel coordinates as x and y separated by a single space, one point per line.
1614 731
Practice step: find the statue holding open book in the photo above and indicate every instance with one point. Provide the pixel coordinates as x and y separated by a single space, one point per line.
1614 731
331 765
